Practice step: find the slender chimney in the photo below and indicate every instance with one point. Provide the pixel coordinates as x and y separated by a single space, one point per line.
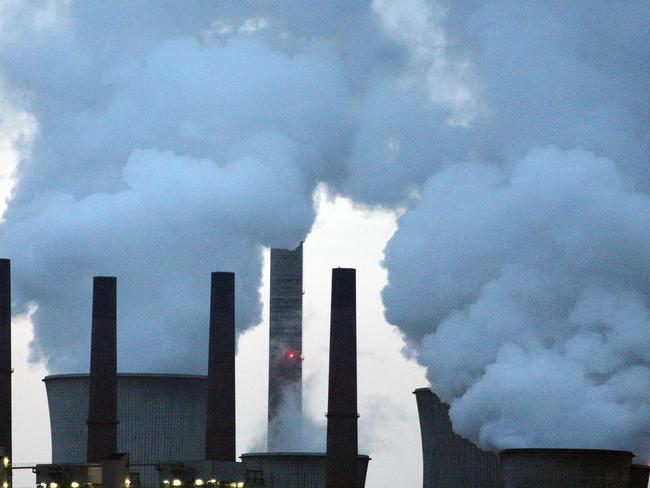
5 366
102 389
220 415
342 447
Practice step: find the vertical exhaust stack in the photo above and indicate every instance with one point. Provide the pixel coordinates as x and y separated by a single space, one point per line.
220 416
102 388
342 466
285 349
5 367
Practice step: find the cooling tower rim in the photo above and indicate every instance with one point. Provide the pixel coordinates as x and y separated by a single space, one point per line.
128 375
552 450
423 389
292 454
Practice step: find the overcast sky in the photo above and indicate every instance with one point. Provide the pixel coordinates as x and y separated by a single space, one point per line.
499 149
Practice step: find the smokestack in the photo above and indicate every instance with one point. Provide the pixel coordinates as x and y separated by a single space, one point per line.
5 364
220 417
102 389
342 446
285 346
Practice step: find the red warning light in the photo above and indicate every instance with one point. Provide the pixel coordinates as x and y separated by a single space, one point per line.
292 355
302 357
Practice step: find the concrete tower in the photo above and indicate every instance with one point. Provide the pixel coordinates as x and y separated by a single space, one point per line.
448 460
285 348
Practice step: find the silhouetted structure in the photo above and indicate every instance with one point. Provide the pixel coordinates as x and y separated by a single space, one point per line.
102 389
448 460
285 344
293 469
342 444
639 476
162 418
163 425
565 468
5 370
220 415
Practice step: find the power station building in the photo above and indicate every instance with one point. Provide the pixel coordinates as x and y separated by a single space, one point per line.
303 469
285 348
113 430
566 468
179 430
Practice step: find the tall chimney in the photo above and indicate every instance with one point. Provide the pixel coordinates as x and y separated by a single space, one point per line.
102 389
285 349
220 415
5 364
342 446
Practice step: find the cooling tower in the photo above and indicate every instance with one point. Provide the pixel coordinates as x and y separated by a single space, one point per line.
566 468
220 417
5 367
448 460
342 443
285 346
162 418
295 469
102 391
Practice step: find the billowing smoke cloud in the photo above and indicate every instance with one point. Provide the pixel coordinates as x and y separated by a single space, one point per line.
534 310
520 276
173 141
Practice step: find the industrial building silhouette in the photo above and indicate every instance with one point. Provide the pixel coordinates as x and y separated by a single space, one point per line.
178 431
447 458
161 418
132 430
450 461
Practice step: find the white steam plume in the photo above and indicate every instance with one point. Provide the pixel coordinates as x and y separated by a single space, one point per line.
167 149
520 274
296 430
532 285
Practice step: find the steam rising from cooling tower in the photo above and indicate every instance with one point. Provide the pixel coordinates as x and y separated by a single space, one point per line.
514 135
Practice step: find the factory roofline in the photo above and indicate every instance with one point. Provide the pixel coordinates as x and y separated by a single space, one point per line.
304 454
563 450
128 375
